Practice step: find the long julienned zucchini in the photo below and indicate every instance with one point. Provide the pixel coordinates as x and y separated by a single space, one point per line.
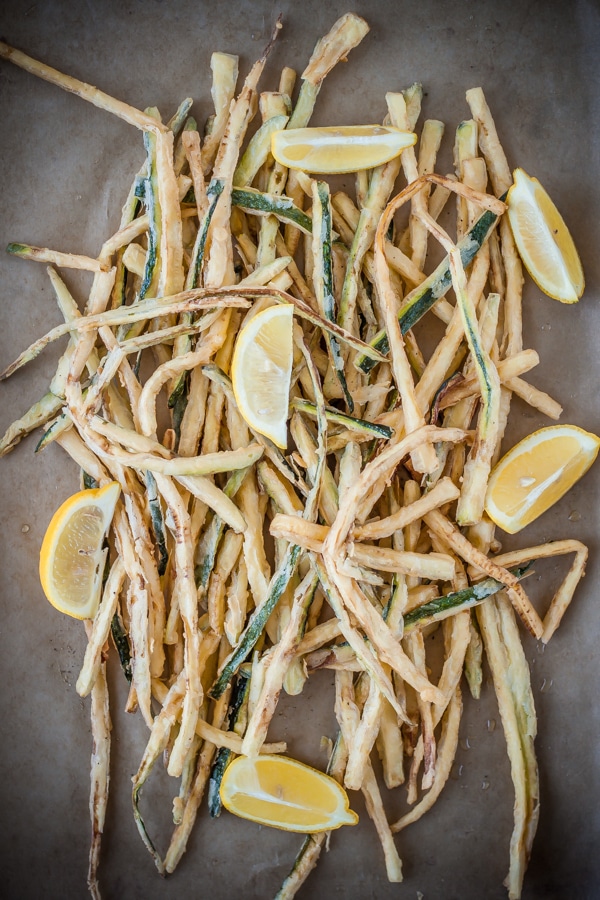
440 607
362 426
238 703
323 278
178 396
271 205
257 621
423 297
209 544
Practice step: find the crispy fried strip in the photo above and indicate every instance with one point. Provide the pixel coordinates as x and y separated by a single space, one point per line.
64 260
100 773
445 757
81 89
508 368
564 594
188 606
532 395
443 492
100 630
463 548
505 653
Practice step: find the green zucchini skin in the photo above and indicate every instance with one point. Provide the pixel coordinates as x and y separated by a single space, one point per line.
158 524
325 264
224 756
257 622
214 532
339 418
271 204
266 204
213 192
119 636
464 599
434 287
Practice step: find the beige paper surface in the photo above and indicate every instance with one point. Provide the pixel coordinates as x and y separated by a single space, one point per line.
65 168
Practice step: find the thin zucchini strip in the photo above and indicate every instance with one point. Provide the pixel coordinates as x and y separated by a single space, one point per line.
422 298
99 774
264 204
323 277
38 414
478 465
188 607
380 188
99 631
423 458
237 711
448 605
257 152
81 89
171 248
361 426
158 524
64 260
219 267
256 622
213 192
225 68
505 653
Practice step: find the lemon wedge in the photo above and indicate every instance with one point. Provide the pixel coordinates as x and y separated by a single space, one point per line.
284 793
543 240
338 149
536 473
261 371
72 556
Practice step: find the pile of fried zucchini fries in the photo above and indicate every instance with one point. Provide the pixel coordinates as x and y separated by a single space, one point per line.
375 510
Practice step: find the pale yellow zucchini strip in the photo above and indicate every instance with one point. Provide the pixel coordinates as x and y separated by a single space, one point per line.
100 629
505 653
564 593
445 757
99 774
441 525
81 89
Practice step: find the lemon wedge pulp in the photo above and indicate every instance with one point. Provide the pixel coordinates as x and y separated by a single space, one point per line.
543 240
72 555
337 149
284 793
261 371
536 473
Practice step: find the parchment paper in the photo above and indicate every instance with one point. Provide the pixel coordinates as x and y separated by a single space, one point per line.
65 168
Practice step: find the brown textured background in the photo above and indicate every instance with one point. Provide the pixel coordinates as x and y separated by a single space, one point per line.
65 168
